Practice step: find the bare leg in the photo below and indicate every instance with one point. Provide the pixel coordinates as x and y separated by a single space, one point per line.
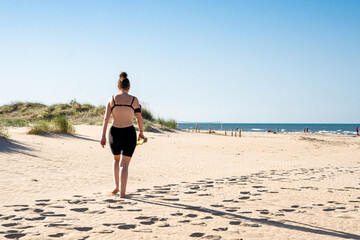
116 173
124 164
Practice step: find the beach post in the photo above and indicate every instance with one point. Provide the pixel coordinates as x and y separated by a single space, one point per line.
239 132
209 130
196 127
225 132
235 133
232 134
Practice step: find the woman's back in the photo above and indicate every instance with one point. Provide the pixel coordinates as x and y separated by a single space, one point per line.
123 106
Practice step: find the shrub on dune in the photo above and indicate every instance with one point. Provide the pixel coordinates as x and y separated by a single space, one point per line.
39 127
62 125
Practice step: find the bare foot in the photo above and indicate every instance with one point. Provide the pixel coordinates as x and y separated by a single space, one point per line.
115 191
125 196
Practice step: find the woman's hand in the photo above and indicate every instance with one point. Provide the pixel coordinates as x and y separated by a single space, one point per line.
141 136
103 141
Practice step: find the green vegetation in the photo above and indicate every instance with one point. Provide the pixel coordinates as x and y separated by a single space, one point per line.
167 124
59 124
15 122
20 114
59 118
147 126
62 125
3 132
147 115
39 127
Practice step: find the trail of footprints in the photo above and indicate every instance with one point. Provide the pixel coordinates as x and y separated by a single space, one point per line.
52 214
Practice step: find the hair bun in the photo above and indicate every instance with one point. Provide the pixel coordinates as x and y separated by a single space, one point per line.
123 75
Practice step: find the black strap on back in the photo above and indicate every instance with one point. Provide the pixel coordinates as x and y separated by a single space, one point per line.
123 105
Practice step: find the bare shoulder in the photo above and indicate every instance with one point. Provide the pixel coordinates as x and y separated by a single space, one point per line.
135 98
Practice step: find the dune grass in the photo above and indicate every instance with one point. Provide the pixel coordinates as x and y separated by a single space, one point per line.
44 119
62 125
39 127
167 124
3 133
59 124
14 122
147 114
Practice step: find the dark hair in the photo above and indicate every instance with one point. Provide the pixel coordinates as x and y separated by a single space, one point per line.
124 82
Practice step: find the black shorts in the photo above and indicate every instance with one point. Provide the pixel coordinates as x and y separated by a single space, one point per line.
122 140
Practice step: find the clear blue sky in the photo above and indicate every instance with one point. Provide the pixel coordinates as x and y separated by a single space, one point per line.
230 61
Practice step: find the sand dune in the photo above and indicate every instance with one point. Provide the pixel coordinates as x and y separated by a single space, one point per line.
182 186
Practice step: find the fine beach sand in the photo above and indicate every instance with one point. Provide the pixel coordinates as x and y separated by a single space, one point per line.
182 186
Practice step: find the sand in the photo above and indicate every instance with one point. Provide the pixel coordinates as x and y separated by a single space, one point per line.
182 186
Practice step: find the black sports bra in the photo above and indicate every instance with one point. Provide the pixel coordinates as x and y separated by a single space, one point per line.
126 105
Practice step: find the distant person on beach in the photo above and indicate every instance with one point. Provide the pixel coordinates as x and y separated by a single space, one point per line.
357 131
122 134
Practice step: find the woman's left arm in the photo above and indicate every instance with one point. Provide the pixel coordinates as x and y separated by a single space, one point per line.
139 118
105 123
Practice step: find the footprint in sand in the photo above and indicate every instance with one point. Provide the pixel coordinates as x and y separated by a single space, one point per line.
17 205
57 235
83 229
198 223
142 217
204 194
106 231
8 217
235 222
9 224
35 219
115 207
176 214
220 229
191 215
213 237
217 205
190 192
52 214
56 225
328 209
244 197
163 224
197 234
251 225
287 210
21 209
150 221
127 226
15 235
79 209
184 221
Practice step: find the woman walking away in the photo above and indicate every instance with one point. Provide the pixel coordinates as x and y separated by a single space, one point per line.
122 134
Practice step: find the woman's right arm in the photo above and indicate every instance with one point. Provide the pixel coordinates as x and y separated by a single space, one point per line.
105 123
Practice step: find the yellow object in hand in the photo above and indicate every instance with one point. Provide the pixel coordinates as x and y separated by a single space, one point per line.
141 141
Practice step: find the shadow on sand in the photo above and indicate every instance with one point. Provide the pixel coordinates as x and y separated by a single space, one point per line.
288 224
13 146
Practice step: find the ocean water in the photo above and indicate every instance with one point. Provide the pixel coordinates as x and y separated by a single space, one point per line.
347 129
